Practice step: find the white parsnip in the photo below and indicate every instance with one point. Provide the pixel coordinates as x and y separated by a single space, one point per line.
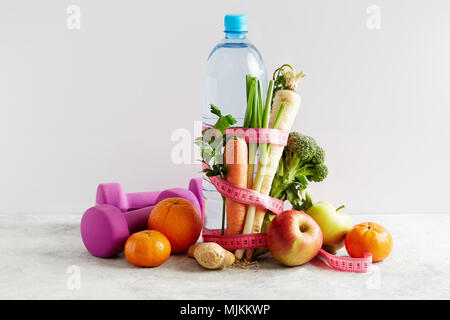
292 101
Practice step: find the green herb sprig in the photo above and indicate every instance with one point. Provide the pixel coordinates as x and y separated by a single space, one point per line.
211 145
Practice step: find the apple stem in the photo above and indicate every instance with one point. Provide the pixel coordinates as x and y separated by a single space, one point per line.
341 207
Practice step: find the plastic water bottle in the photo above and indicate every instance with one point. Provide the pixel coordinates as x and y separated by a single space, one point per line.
224 86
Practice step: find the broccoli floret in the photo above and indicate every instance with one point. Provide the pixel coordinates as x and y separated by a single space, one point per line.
319 156
302 161
302 156
300 148
315 173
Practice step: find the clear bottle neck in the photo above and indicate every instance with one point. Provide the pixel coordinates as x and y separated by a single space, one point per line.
235 35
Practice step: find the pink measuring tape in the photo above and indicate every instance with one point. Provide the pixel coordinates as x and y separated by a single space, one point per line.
261 135
246 196
252 197
258 240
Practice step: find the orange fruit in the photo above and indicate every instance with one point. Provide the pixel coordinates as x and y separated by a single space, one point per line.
148 248
178 220
369 237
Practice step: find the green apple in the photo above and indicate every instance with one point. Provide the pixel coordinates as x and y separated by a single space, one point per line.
334 224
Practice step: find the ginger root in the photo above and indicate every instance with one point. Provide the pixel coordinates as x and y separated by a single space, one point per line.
210 255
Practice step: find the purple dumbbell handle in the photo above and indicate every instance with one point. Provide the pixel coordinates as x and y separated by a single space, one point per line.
142 199
137 220
112 194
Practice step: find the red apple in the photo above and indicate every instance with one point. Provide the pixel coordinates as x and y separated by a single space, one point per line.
294 238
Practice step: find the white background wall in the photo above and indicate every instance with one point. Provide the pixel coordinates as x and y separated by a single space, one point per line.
80 107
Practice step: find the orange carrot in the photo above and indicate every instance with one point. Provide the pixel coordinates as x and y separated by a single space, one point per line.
235 156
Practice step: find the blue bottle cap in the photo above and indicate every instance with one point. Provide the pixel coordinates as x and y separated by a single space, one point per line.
235 23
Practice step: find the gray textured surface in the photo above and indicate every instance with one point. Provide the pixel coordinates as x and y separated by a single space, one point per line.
36 251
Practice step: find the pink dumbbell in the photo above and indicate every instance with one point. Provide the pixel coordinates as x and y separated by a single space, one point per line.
105 229
112 193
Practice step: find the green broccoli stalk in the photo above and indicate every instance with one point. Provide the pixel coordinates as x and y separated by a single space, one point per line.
307 201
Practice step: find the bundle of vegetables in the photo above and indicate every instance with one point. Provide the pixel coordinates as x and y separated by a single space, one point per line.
284 108
282 173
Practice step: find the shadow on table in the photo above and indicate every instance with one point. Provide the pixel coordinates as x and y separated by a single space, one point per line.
267 262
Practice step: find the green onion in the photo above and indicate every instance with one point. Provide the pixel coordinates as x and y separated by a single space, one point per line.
260 104
266 116
249 111
252 147
254 121
248 82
